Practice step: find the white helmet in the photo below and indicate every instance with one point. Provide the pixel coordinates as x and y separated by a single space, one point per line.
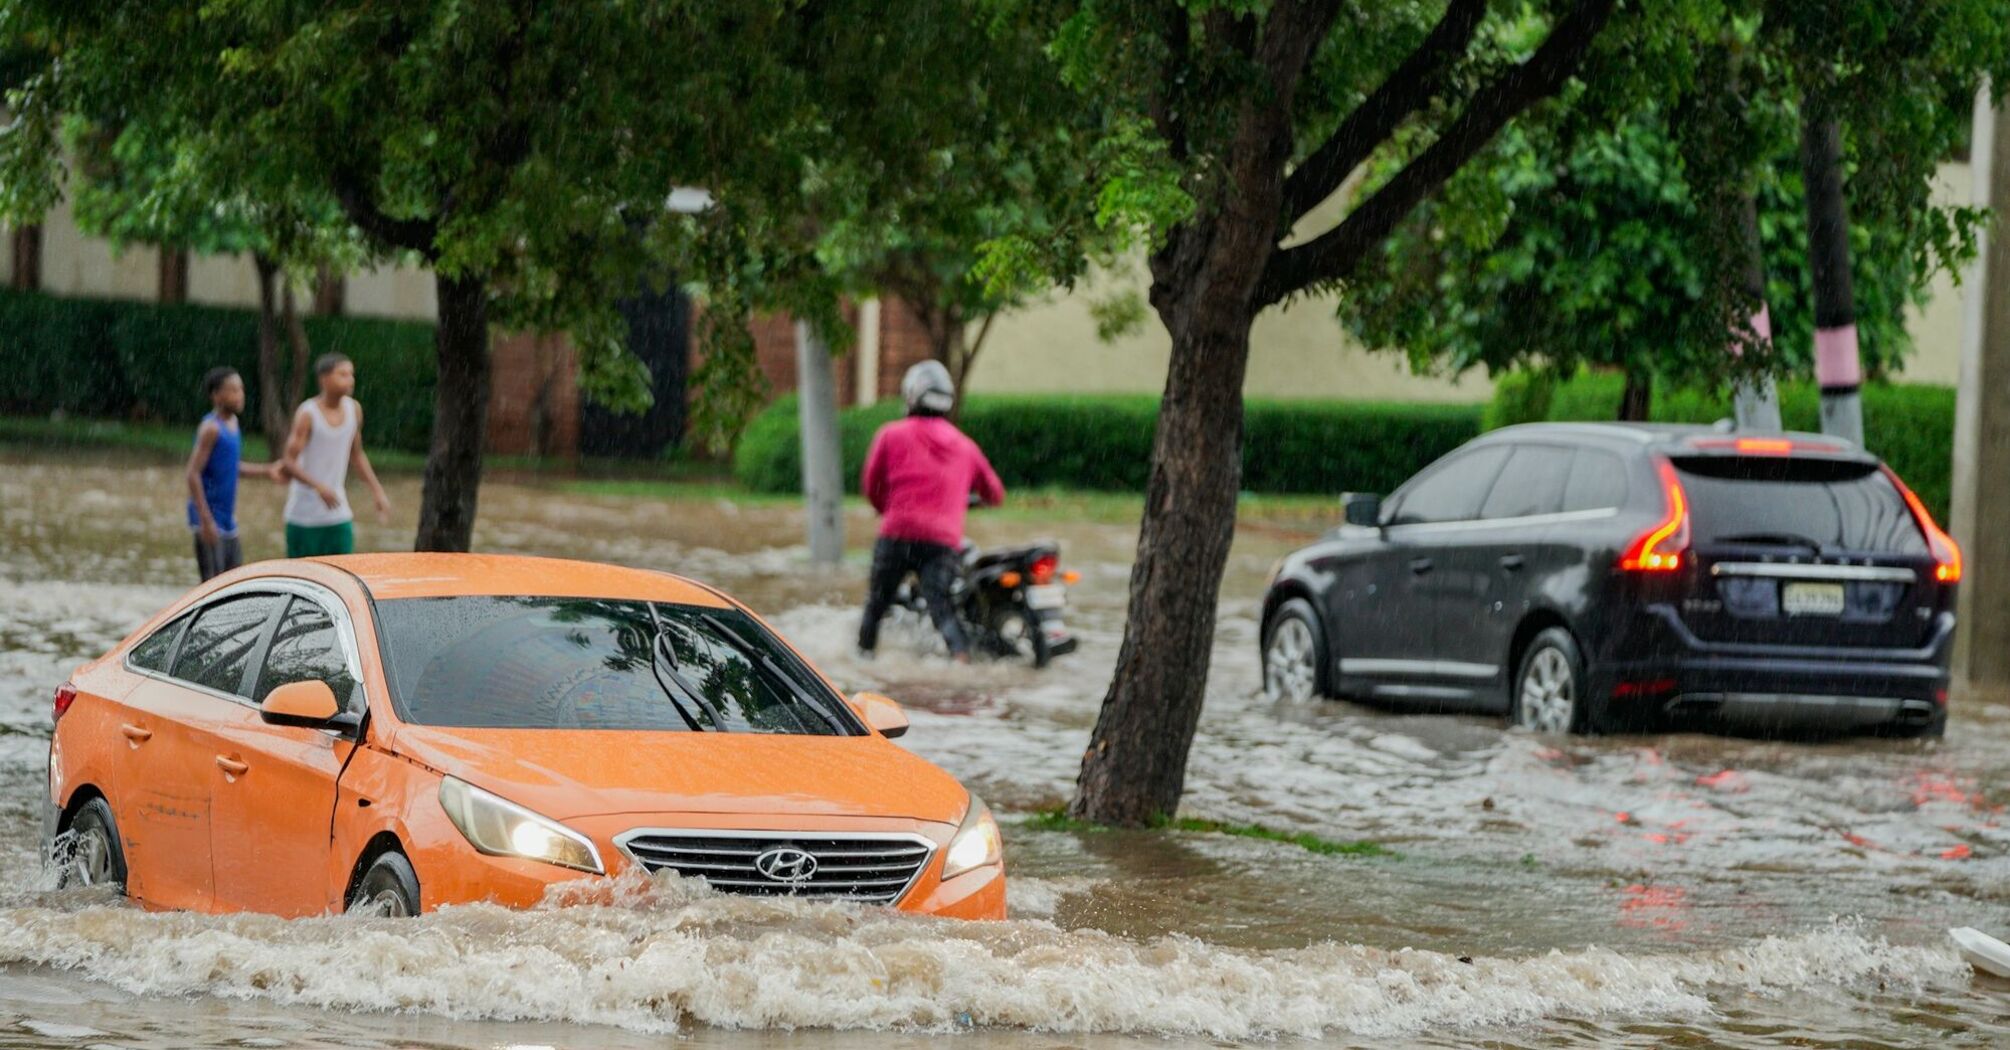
926 386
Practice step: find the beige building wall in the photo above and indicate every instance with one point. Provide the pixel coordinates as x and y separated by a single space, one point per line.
223 280
73 264
6 256
404 293
1936 327
1298 351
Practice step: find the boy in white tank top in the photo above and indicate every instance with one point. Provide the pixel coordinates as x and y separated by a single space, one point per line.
327 440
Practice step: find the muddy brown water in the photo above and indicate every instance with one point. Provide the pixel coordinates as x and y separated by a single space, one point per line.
1633 891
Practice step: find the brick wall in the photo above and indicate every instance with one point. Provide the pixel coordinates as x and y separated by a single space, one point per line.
534 398
903 343
775 354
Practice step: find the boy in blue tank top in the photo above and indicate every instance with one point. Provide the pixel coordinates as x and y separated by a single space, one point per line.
213 470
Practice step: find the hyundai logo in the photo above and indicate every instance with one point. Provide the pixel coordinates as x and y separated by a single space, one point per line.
786 864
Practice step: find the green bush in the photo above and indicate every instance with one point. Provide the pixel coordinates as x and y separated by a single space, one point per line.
1910 425
1105 442
130 360
1519 397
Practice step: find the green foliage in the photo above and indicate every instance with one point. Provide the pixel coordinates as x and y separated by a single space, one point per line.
1519 397
1105 442
1907 424
126 360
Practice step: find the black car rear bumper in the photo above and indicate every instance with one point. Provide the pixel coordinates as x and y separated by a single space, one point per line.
1686 678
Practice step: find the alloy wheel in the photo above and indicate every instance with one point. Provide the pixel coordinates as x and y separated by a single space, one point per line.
1548 699
1288 669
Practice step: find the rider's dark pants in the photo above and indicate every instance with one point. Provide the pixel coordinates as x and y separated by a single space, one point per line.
934 565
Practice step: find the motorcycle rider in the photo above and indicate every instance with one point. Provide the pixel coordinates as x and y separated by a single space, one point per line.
920 475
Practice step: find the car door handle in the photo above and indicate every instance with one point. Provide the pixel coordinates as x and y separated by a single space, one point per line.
232 766
1511 562
1420 566
136 734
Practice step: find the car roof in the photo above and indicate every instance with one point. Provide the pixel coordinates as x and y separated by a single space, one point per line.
1689 439
435 575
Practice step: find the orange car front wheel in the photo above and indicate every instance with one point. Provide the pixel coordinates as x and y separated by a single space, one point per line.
390 888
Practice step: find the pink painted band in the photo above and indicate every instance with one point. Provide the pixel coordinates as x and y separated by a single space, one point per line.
1836 360
1761 331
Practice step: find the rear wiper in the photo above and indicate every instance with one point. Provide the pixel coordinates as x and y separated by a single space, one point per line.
1789 539
774 673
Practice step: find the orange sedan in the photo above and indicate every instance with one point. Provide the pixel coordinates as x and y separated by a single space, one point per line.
400 732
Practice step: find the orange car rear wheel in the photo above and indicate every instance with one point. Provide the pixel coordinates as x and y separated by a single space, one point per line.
91 855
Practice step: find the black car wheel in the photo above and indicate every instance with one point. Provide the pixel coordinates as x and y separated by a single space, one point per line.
1549 691
388 889
91 854
1294 654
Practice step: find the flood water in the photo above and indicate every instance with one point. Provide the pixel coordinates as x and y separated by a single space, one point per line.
1629 891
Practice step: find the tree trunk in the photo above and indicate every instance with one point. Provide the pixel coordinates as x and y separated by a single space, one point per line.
1636 400
1755 398
173 284
1838 366
275 397
823 459
28 258
295 377
460 416
1135 768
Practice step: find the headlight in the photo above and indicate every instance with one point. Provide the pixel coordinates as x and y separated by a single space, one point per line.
502 828
976 843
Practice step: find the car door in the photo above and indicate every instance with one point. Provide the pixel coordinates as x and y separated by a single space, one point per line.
273 791
171 751
1484 578
1390 621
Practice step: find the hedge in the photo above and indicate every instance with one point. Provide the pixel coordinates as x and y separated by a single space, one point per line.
111 359
1105 442
1910 425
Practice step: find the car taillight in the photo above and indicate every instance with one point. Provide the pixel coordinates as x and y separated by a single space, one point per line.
1660 548
1946 553
1043 568
66 694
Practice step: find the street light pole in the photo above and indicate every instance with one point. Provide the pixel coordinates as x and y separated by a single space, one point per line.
1982 424
823 463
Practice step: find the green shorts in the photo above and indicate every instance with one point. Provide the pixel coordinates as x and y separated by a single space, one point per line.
313 541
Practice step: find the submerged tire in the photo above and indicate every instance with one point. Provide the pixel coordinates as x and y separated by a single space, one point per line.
1294 654
1016 635
389 888
1549 693
92 854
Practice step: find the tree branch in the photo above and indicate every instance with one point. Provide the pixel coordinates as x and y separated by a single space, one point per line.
407 234
1335 253
1408 89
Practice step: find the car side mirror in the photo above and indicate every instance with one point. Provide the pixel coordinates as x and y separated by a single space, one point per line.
1362 508
881 713
309 704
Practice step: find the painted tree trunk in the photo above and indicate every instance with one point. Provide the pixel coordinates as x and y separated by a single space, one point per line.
460 417
1838 367
823 463
1755 399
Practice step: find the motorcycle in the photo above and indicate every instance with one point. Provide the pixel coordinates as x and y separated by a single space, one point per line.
1009 601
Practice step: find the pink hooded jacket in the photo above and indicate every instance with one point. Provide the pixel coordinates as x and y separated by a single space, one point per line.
919 475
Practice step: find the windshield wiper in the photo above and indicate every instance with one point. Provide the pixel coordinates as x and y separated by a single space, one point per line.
664 663
774 673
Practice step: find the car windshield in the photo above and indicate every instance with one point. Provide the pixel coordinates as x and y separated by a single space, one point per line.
591 663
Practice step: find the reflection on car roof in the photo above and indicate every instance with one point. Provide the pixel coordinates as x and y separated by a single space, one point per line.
431 575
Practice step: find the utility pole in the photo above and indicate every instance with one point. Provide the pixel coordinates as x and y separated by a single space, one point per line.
1982 425
823 462
1838 367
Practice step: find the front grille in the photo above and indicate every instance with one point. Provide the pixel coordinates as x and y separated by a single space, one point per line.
874 869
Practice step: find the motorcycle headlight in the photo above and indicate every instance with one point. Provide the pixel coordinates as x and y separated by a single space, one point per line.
976 843
501 828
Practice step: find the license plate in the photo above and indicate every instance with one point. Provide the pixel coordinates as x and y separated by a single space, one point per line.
1046 596
1812 599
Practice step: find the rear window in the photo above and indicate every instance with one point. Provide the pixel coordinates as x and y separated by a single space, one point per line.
1823 504
584 663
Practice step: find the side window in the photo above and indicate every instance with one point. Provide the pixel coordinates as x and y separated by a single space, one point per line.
1452 490
220 642
154 652
1597 481
305 648
1531 483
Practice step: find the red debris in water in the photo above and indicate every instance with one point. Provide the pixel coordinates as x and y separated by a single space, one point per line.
1960 852
1723 780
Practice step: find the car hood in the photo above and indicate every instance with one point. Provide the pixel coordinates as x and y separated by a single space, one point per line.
566 773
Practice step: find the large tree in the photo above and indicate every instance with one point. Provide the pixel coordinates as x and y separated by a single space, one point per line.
524 152
1262 111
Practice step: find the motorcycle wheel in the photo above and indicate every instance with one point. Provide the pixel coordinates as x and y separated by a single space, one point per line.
1016 635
